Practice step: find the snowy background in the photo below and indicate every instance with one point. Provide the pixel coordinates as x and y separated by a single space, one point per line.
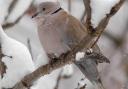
113 43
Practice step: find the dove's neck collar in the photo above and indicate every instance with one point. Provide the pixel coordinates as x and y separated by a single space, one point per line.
57 10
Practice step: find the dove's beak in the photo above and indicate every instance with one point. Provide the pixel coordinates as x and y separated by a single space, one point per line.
36 14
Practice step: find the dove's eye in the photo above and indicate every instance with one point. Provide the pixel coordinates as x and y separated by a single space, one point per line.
43 9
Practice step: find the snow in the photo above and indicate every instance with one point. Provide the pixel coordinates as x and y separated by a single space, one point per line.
41 60
24 30
79 55
19 65
85 82
99 9
19 9
89 50
67 70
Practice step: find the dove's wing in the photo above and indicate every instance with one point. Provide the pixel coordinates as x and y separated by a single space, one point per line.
59 32
74 31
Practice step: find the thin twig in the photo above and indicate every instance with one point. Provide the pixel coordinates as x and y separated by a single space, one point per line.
30 47
10 8
69 6
88 9
8 24
58 80
104 22
83 16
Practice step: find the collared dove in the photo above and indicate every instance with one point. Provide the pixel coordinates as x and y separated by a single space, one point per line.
59 31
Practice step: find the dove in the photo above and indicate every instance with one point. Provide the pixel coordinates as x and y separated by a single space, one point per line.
15 61
59 32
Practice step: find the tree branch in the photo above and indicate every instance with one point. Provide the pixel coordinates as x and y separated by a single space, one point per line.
58 79
30 48
88 9
8 24
10 8
104 22
69 5
85 43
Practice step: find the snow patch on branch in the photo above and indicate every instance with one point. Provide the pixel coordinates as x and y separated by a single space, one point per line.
67 70
79 55
85 82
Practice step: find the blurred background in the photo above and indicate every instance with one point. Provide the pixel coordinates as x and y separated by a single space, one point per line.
15 17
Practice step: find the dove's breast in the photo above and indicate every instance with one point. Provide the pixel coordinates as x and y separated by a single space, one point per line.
51 34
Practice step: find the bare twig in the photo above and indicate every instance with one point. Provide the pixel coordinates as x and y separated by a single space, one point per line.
104 22
58 80
88 23
83 16
8 25
29 47
85 43
69 5
11 7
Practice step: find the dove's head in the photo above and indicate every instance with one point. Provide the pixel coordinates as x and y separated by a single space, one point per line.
46 8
